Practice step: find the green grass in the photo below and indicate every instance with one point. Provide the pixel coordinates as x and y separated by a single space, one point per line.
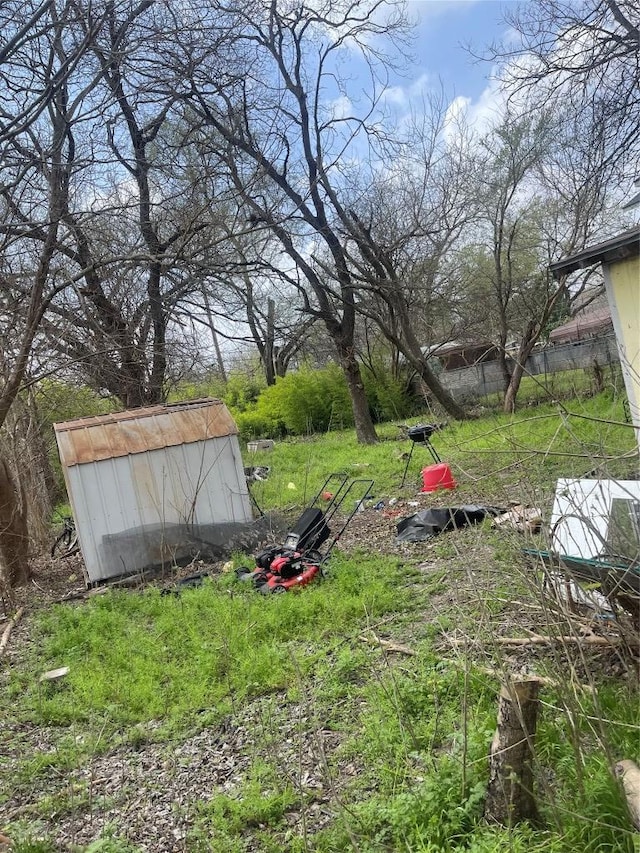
137 657
489 456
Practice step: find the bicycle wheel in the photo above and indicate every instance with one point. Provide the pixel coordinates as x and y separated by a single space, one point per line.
61 544
66 544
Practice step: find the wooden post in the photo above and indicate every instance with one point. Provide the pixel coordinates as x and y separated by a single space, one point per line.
510 790
629 774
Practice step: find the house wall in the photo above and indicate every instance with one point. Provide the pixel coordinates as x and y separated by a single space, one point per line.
622 281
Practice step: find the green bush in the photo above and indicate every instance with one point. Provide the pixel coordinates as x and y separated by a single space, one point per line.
64 401
307 401
242 389
258 423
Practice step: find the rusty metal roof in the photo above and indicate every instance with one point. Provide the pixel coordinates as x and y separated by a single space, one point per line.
138 430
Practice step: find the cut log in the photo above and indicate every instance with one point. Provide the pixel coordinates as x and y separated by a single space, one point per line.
629 774
510 791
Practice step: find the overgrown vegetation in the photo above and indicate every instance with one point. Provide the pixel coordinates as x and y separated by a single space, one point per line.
344 746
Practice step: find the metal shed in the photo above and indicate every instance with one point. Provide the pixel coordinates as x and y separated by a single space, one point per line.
154 486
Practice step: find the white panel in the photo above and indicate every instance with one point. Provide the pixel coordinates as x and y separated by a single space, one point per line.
581 511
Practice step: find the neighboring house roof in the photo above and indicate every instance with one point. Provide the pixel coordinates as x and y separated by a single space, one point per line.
586 324
455 346
625 245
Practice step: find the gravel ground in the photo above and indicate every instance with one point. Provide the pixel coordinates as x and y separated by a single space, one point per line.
150 794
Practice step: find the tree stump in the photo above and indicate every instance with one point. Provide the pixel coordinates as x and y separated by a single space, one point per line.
629 774
510 791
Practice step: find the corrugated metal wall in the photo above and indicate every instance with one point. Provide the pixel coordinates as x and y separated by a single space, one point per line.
156 507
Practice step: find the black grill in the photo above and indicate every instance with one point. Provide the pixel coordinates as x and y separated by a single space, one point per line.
422 432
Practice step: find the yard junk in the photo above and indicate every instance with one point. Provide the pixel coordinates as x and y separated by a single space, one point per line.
628 773
521 518
54 674
299 560
151 488
594 543
260 444
190 582
428 523
4 641
257 473
66 543
436 477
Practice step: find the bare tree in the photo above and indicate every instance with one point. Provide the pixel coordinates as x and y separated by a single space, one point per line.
38 59
512 151
37 159
546 194
255 294
131 225
400 237
284 144
582 56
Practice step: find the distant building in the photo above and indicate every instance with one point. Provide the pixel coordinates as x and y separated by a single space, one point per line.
456 354
586 324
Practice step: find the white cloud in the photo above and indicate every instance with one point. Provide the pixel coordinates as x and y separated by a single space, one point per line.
403 96
341 107
478 115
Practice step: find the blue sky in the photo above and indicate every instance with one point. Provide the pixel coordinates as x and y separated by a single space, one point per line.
446 28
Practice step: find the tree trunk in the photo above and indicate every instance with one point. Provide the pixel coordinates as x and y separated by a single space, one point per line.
507 374
513 386
14 541
365 430
269 344
214 336
509 402
420 364
22 446
510 790
159 324
442 395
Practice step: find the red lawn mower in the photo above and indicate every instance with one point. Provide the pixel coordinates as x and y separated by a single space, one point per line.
299 560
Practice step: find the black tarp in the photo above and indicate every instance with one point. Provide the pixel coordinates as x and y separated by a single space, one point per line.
430 522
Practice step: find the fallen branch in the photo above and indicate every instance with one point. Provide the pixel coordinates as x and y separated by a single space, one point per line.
540 639
77 596
502 676
7 631
387 645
